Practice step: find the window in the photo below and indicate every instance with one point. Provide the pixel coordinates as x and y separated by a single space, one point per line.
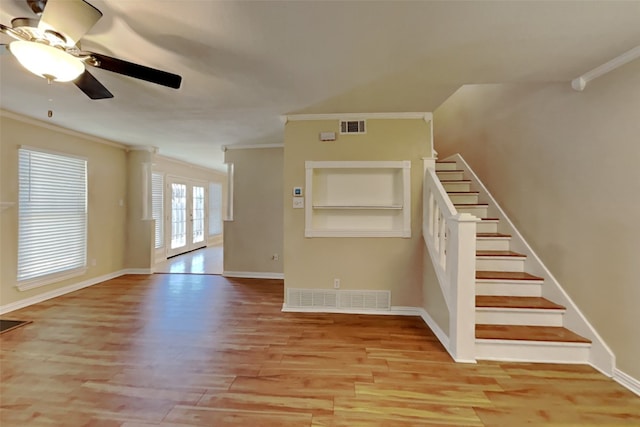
215 208
52 212
157 207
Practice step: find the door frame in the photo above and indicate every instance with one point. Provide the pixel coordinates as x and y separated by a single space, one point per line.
190 184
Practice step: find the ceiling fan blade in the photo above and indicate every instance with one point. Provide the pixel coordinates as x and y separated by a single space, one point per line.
71 18
136 71
92 87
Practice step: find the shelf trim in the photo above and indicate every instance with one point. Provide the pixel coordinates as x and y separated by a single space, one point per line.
405 234
359 207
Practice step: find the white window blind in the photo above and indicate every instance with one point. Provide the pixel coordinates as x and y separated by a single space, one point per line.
215 208
52 209
157 207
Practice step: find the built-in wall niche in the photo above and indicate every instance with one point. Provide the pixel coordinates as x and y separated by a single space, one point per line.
358 199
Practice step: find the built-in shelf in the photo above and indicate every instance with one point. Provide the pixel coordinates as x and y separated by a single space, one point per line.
357 207
358 199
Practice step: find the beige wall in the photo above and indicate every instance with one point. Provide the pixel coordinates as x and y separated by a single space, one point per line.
255 234
360 263
564 166
139 251
106 218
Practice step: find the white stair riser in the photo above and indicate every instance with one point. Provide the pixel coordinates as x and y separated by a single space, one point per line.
509 289
524 317
500 264
487 227
463 198
446 166
526 351
479 211
450 175
489 244
457 186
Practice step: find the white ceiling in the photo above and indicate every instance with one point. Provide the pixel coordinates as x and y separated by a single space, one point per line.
247 63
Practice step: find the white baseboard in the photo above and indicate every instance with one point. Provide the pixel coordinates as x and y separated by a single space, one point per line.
7 308
253 274
627 381
394 311
138 271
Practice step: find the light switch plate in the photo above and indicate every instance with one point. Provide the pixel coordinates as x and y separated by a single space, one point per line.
298 202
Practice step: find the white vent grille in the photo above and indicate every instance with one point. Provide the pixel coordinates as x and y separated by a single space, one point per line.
366 300
352 126
348 300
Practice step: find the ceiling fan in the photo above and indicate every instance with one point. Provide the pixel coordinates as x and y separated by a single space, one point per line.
50 48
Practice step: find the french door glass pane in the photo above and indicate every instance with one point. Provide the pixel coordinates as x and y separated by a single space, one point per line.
178 215
198 214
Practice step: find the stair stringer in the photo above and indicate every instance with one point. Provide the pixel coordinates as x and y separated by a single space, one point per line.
600 355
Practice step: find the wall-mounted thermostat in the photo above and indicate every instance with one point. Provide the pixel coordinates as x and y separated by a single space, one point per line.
297 191
298 202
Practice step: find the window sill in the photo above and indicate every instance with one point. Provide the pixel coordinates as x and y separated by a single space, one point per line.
25 285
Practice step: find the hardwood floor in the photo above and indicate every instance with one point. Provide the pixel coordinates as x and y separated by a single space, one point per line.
202 261
197 350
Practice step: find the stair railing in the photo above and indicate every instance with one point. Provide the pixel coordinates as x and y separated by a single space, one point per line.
450 238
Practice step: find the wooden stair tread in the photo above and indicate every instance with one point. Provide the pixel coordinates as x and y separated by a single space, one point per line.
455 180
493 301
489 219
450 170
491 235
487 253
528 333
466 205
473 193
506 275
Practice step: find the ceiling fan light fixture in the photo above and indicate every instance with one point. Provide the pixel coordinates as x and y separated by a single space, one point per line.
47 61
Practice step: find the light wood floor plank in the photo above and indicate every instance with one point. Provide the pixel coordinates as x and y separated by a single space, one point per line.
179 350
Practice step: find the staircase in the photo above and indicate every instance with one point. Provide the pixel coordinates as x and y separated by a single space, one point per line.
513 320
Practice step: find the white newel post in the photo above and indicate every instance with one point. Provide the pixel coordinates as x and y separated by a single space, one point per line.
462 271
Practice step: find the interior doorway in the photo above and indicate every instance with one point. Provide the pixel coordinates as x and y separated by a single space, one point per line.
188 216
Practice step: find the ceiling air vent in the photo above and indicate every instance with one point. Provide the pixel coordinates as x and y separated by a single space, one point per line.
352 126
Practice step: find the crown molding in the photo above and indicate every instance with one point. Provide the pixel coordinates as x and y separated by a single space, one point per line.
57 128
250 146
149 148
427 117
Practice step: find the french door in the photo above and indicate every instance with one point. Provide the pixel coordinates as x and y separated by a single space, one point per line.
187 216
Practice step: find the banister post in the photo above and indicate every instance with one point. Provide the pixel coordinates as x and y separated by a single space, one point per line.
462 273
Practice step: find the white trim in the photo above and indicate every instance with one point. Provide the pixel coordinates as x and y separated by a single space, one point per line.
580 83
59 292
31 121
437 330
393 311
70 288
250 146
359 233
37 282
427 117
600 356
626 381
357 164
138 271
253 274
148 148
